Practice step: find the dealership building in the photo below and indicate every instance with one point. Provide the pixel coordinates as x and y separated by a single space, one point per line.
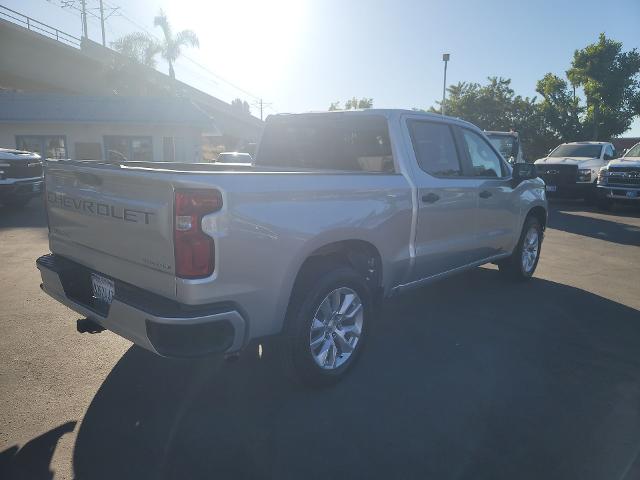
66 97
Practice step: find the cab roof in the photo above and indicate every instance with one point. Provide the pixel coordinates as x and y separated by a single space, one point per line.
385 112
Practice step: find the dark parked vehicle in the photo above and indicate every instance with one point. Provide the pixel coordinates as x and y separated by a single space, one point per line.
20 177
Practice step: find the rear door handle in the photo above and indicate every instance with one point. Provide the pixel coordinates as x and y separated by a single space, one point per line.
430 198
485 194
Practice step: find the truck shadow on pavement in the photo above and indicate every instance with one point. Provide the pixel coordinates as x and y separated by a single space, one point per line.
606 226
536 380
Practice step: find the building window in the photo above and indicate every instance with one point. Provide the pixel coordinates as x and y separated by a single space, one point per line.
88 151
47 146
173 149
122 148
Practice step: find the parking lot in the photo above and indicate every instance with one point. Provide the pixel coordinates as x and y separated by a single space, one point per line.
469 378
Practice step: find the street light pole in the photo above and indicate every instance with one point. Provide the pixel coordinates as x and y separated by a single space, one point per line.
445 58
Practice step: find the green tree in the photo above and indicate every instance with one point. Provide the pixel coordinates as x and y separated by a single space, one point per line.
495 106
561 109
609 79
139 47
173 44
241 106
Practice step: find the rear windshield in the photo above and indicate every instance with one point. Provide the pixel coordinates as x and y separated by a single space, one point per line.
507 145
590 151
354 143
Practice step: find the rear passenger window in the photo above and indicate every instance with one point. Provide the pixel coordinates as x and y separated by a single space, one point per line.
435 149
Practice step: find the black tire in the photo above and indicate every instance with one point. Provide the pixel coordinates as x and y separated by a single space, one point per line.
295 349
513 267
19 202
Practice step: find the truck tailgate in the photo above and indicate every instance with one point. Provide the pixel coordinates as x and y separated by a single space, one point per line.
114 220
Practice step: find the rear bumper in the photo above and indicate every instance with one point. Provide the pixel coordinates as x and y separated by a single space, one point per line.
155 323
27 187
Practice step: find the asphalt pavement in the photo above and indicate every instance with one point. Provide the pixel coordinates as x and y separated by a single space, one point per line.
470 378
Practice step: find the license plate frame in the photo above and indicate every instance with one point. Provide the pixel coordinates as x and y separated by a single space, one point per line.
103 288
551 188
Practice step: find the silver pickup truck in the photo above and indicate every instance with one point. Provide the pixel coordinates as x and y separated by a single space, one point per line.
337 211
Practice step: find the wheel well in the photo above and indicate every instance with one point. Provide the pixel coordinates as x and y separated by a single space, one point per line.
540 214
362 256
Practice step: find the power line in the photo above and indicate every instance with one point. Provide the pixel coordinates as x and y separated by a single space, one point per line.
86 14
119 11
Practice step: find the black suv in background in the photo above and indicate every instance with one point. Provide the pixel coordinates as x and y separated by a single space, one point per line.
20 177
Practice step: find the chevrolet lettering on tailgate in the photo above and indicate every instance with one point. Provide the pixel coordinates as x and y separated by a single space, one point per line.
90 207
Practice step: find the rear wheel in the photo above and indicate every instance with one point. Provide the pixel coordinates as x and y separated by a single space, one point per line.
326 326
523 261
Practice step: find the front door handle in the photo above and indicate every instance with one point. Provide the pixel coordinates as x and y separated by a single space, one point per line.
430 198
485 194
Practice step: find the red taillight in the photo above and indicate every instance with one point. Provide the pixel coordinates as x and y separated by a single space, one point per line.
194 249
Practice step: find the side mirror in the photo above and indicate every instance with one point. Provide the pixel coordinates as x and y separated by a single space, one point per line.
522 172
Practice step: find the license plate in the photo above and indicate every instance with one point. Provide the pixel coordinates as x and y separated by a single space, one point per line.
103 288
551 188
632 194
36 187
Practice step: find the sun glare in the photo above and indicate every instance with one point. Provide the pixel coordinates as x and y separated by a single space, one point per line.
251 41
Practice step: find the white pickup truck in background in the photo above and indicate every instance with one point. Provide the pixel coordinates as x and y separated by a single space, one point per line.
571 169
619 180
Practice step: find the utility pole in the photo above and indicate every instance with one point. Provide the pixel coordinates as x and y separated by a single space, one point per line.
83 14
104 41
445 58
261 104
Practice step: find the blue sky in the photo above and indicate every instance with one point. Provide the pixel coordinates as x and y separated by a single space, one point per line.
303 54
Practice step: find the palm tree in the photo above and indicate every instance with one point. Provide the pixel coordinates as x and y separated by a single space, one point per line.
173 44
139 47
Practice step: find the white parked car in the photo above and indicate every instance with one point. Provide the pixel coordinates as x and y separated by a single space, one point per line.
234 157
571 169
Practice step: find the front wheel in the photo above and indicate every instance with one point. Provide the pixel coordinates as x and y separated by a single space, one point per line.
524 259
326 326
